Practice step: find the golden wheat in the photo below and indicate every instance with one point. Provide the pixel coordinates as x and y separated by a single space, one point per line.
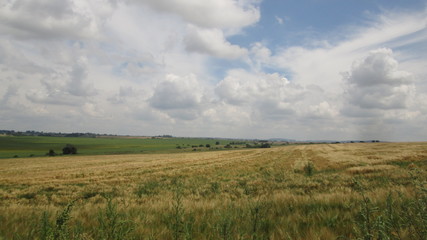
212 183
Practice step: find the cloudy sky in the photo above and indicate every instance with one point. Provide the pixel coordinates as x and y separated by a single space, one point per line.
311 69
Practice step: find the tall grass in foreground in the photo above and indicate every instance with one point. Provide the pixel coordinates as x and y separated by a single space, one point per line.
397 216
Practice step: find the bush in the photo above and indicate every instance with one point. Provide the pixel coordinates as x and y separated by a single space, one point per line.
51 153
69 149
265 145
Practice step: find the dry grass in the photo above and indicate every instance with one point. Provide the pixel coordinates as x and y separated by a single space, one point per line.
219 190
371 169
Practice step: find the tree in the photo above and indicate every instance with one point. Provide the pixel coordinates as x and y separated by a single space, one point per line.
265 145
69 149
208 145
51 153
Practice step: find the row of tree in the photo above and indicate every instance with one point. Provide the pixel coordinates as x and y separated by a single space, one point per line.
68 149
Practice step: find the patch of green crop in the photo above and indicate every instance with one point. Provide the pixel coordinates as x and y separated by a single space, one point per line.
35 146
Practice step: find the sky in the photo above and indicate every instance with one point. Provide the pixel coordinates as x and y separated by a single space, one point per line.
295 69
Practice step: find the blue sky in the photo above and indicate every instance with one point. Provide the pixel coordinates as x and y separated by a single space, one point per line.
314 69
315 18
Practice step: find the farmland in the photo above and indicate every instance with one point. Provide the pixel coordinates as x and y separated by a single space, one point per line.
35 146
317 191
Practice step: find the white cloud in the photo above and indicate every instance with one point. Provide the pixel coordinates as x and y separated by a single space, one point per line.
376 82
93 110
324 64
269 96
240 86
158 66
381 99
212 42
77 85
177 93
11 92
323 110
279 20
151 45
68 86
222 14
179 97
260 56
203 27
26 19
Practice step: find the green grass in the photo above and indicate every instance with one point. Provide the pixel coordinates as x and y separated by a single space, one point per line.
33 146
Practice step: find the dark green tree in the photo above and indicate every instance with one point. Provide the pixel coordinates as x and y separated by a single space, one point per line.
69 149
51 153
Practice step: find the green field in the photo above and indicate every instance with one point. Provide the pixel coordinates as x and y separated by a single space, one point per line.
34 146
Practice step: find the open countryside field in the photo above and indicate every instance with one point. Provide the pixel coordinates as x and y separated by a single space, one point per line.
36 146
323 191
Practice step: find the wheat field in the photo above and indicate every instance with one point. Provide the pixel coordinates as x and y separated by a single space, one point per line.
313 191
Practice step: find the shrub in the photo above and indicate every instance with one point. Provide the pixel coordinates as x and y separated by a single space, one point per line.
69 149
51 153
265 145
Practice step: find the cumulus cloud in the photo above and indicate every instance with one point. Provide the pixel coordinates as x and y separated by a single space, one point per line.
260 56
93 110
77 84
326 59
211 13
180 97
11 91
323 110
377 83
64 87
26 19
158 66
208 24
212 42
240 87
268 95
122 96
177 93
13 58
379 97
